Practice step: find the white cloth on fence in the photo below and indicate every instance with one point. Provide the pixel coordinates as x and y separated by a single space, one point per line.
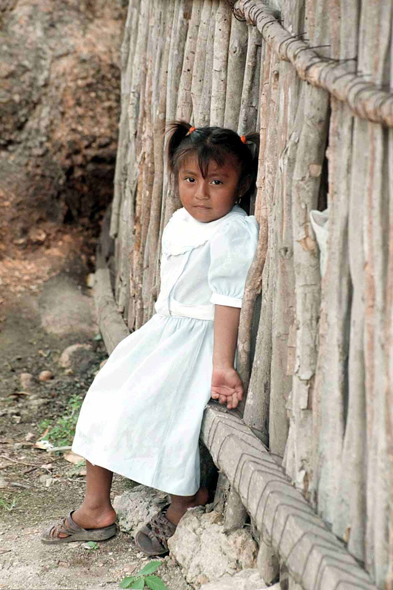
320 225
142 414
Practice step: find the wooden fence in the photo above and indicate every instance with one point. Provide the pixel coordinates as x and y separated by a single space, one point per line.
314 77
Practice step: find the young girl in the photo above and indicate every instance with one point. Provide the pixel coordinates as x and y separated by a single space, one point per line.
142 414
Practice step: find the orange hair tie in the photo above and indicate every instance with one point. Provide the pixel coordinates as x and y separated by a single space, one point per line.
243 138
191 129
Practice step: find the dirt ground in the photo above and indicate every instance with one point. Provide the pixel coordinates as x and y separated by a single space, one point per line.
46 306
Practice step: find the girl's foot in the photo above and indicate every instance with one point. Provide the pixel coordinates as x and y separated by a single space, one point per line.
88 518
180 504
68 531
91 519
153 536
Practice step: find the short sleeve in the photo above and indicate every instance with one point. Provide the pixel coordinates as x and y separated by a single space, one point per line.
232 250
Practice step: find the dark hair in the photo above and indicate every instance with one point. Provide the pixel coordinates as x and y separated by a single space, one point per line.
214 143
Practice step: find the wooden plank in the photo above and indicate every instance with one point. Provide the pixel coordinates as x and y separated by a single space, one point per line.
180 31
127 54
249 106
184 106
219 79
237 52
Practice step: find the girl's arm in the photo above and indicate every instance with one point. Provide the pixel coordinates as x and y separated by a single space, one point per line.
226 325
226 383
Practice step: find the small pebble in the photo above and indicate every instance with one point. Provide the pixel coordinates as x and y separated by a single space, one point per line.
26 381
46 376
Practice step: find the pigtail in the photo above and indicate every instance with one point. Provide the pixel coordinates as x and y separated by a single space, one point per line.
176 132
251 142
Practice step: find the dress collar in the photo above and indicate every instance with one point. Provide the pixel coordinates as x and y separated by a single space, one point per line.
184 233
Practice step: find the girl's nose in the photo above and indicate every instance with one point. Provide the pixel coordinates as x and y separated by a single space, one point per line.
202 190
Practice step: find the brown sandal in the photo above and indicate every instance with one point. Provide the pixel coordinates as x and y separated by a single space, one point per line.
67 526
153 536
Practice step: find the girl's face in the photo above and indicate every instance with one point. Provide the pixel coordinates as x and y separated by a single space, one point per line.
210 198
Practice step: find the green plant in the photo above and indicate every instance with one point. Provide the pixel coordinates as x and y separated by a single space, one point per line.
43 425
91 545
63 430
6 506
138 581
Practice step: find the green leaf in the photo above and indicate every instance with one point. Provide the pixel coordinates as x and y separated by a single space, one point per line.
92 545
155 583
139 584
149 568
133 582
126 581
98 337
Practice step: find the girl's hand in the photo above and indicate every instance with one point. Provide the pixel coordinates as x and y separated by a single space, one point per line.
227 387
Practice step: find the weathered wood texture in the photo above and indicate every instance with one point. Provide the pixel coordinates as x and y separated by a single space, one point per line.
316 83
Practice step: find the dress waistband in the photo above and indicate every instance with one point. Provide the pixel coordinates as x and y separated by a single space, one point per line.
198 312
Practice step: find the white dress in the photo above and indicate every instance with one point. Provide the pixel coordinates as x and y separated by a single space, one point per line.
142 415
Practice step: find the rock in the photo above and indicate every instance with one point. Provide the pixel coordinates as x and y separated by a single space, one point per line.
135 507
46 480
248 579
26 381
37 235
66 357
3 483
202 548
64 309
90 280
46 376
44 445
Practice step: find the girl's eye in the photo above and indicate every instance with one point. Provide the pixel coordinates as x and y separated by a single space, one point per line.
217 181
189 179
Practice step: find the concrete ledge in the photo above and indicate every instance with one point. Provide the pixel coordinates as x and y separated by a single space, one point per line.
314 556
110 322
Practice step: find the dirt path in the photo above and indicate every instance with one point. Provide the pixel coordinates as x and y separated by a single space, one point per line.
37 488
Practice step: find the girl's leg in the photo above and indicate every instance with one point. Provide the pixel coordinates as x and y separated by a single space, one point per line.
96 511
180 504
152 537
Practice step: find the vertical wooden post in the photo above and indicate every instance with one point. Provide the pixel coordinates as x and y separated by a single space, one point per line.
237 52
219 80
